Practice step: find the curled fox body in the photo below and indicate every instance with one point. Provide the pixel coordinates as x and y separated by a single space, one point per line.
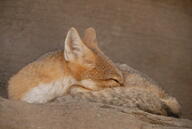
81 69
77 67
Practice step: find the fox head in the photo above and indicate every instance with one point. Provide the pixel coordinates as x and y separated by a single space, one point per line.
88 64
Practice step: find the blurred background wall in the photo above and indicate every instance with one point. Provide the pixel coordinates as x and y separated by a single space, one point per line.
154 37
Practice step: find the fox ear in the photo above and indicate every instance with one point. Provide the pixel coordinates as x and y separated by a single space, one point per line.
75 50
74 47
90 38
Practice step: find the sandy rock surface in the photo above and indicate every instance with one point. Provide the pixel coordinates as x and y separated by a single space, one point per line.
73 114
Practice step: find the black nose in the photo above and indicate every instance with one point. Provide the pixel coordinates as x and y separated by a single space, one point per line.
121 84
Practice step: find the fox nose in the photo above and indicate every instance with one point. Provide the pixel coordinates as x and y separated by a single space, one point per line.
121 79
121 82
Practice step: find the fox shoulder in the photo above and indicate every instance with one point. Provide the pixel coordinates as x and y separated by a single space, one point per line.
44 70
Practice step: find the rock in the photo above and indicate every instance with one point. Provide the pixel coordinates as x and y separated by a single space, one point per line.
75 114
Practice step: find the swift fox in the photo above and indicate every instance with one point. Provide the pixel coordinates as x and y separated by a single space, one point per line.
82 70
77 67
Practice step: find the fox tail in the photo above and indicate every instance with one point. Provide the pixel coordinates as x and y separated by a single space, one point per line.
173 108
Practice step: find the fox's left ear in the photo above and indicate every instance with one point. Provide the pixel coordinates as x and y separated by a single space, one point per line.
75 50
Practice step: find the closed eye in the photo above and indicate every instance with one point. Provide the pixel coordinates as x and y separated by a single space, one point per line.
112 79
115 80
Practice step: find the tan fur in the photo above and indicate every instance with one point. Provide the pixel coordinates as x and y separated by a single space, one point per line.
46 70
82 63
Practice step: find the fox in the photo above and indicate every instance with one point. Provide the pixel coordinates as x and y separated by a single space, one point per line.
53 74
83 71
